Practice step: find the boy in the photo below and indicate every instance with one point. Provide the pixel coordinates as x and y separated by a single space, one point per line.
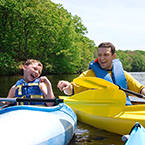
31 86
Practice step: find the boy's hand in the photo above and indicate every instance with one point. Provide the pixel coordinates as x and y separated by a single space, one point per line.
44 80
44 84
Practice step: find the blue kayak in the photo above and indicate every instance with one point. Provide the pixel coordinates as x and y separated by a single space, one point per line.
35 125
137 135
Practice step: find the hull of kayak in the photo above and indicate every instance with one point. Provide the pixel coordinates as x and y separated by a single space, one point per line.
137 135
120 124
29 125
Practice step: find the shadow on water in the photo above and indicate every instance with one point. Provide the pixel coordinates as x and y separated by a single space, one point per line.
88 135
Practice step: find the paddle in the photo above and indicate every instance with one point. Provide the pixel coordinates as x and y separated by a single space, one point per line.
94 82
56 100
102 102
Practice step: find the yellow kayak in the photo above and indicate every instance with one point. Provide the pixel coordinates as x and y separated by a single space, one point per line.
112 116
120 124
105 109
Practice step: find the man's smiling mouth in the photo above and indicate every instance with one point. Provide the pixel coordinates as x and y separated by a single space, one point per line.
103 62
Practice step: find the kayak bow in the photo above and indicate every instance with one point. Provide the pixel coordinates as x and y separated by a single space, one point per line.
29 125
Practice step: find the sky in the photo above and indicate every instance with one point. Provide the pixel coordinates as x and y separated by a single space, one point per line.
121 22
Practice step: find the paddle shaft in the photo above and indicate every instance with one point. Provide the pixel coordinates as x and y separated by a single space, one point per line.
31 100
131 92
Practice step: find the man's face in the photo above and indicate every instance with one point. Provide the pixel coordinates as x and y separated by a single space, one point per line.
32 72
105 58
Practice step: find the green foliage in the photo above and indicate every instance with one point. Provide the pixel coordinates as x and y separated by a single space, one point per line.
124 59
46 31
8 66
133 61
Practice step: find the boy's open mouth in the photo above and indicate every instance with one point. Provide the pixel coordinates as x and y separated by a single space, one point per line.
33 76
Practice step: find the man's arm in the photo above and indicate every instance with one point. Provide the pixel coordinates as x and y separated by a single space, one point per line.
143 91
133 84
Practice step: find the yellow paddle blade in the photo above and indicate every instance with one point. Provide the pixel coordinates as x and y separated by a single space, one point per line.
94 82
102 102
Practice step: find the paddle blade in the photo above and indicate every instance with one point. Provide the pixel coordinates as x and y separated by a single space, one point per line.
102 102
94 82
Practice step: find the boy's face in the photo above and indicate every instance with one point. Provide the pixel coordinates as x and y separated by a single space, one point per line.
31 72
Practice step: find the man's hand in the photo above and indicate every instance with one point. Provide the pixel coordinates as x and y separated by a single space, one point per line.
65 86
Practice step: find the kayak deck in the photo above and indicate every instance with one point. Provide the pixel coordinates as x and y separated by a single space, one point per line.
27 125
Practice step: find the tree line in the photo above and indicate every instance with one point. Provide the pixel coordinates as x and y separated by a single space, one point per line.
43 30
133 61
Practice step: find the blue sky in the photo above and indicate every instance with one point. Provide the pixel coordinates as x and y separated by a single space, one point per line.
121 22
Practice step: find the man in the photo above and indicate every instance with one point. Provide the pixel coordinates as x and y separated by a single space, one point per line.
108 68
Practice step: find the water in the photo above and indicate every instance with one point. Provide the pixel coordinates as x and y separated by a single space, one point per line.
84 134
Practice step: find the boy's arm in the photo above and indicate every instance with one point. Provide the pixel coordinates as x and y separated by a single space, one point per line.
11 93
46 88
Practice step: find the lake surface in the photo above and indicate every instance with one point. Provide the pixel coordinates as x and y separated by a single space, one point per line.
84 134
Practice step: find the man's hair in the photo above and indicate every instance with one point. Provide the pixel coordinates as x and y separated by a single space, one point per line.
30 61
107 45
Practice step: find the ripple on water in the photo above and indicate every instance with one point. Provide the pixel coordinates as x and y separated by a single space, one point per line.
88 135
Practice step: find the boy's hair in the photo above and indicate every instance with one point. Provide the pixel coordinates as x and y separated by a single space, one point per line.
107 45
30 61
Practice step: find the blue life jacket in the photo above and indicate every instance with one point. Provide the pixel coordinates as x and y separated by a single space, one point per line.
28 90
118 76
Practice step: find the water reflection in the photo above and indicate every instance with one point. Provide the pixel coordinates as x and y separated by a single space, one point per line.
88 135
140 76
